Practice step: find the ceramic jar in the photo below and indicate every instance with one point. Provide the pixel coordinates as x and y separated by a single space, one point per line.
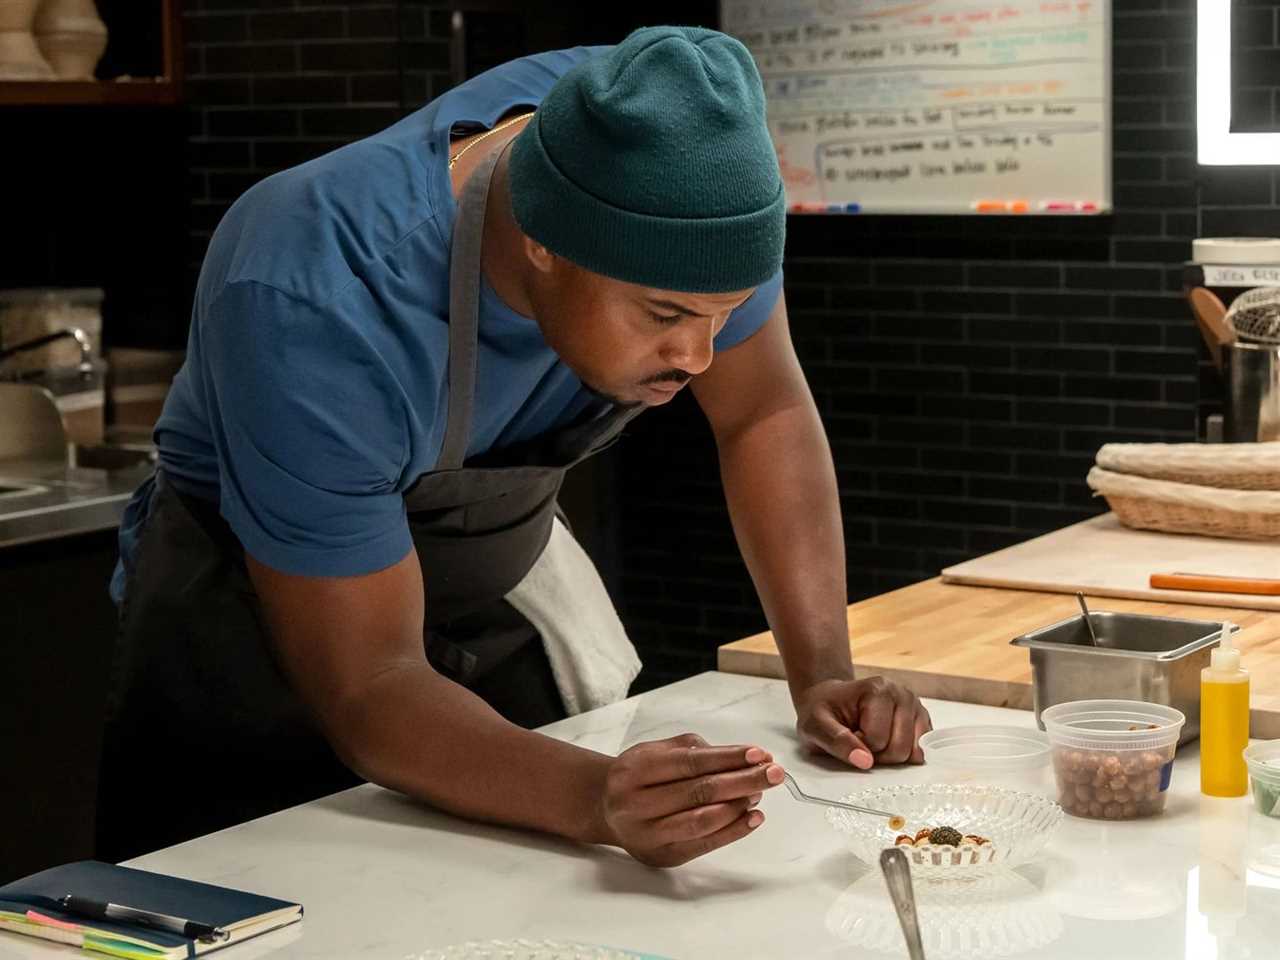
71 36
20 58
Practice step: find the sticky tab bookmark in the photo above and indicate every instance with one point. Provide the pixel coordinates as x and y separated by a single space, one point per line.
41 919
120 948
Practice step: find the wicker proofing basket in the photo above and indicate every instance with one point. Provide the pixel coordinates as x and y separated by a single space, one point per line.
1231 466
1186 508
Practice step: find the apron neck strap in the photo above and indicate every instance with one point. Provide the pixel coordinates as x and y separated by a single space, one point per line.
464 311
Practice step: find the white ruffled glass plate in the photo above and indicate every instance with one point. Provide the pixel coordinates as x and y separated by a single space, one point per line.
523 949
997 914
1018 825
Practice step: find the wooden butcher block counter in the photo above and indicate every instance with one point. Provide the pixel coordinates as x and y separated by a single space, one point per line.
951 642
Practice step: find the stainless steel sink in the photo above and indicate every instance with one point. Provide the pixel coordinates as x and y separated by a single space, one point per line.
8 490
50 488
111 456
31 431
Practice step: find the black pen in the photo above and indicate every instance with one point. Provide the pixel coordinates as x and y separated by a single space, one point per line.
98 910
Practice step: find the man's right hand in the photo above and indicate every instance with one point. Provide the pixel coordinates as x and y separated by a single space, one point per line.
352 650
668 801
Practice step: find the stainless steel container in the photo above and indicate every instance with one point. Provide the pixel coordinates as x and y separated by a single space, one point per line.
1252 372
1138 657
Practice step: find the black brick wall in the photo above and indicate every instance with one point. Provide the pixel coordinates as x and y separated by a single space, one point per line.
272 84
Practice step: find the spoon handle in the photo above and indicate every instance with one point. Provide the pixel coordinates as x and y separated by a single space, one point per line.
1088 620
897 877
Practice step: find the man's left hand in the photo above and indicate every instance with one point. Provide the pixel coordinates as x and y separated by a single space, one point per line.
862 722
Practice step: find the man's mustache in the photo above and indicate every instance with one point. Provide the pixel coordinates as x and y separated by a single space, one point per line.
669 376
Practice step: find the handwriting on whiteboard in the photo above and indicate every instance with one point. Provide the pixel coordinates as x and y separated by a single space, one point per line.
930 103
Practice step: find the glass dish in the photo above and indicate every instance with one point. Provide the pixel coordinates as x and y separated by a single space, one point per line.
523 949
1017 824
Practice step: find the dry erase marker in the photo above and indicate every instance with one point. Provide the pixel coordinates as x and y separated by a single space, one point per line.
1068 206
97 910
990 206
1018 206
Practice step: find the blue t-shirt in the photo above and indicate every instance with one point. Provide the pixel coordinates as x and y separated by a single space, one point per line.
315 386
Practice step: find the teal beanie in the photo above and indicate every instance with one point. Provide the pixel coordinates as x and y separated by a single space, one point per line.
651 163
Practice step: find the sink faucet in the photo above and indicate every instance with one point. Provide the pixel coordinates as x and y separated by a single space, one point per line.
80 337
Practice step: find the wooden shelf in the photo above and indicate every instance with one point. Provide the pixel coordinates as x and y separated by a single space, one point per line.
142 91
14 93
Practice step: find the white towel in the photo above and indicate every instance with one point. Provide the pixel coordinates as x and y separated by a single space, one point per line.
591 657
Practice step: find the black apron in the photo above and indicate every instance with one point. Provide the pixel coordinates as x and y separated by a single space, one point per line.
202 729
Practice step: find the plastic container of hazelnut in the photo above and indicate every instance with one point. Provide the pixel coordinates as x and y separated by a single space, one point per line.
1112 759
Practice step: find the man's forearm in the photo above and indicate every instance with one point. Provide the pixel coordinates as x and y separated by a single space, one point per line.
781 488
414 731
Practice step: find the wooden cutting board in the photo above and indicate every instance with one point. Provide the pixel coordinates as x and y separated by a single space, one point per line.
951 642
1102 558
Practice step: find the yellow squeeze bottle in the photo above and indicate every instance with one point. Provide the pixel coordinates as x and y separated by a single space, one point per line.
1224 722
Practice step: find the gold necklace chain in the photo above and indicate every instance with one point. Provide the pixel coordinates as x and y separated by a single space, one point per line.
488 133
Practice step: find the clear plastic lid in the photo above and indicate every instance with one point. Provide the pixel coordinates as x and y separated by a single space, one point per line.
1263 760
1112 724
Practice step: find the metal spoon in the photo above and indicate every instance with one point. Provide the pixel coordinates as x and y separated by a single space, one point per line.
897 877
896 822
1088 621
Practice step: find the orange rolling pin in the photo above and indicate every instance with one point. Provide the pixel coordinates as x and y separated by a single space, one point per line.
1208 583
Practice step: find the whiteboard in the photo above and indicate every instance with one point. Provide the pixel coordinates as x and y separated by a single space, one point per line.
935 106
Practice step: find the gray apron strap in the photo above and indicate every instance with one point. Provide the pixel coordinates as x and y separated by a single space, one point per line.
464 311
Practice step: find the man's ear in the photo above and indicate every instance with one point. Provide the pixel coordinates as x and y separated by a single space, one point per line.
543 260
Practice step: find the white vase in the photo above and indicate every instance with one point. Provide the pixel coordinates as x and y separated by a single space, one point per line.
71 36
20 58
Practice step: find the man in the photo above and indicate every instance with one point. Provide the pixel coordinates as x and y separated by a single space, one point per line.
396 351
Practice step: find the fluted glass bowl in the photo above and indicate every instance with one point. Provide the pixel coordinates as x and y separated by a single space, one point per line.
1017 824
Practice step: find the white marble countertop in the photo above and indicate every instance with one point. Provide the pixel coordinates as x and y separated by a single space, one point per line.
383 877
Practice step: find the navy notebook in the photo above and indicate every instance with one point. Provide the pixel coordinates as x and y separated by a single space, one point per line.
31 907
